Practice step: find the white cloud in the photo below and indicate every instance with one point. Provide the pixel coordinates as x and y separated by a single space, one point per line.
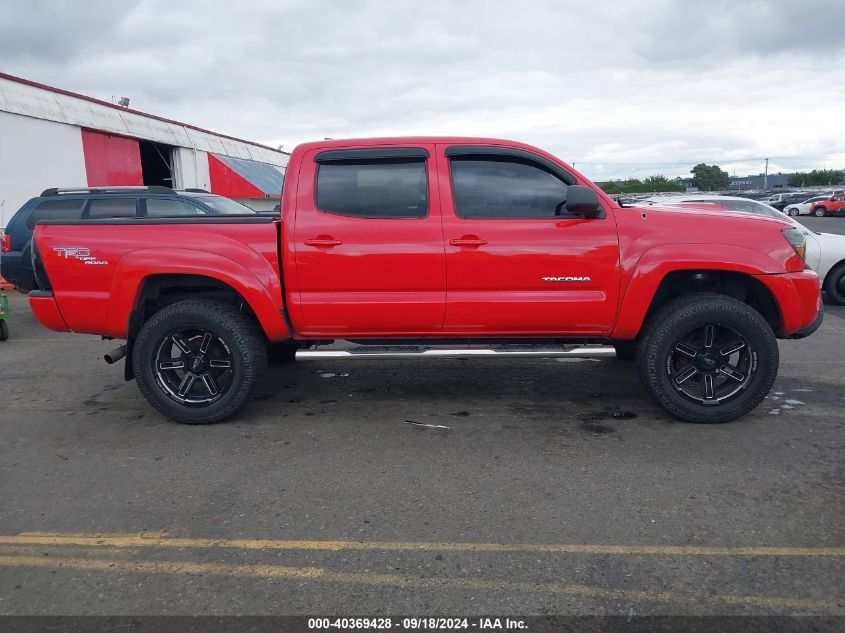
614 89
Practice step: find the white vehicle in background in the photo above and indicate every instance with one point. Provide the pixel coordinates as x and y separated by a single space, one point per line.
825 251
803 208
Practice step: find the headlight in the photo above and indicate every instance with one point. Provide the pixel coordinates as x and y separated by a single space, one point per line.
798 242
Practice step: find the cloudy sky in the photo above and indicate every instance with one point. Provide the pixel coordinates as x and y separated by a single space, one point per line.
621 89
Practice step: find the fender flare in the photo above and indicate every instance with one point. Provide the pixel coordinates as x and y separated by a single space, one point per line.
255 280
655 264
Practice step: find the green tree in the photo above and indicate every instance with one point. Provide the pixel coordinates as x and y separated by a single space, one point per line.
817 177
659 182
652 184
611 187
709 177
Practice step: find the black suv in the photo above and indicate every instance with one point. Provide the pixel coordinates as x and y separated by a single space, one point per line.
97 203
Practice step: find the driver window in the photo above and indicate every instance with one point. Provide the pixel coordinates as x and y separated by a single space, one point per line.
505 187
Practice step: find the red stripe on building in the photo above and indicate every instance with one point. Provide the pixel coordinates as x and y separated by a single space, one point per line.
227 182
111 160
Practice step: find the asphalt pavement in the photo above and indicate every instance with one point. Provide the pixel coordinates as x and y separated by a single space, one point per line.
444 486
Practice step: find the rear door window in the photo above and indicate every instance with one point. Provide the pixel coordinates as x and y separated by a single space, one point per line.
395 188
55 210
102 208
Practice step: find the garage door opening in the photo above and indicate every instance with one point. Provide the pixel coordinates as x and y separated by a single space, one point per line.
156 164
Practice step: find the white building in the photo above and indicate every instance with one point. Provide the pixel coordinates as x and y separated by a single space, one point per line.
55 138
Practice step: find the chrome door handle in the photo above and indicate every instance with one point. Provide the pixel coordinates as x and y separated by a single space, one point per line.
467 241
323 242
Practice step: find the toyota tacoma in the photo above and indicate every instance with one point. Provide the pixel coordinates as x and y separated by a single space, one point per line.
410 240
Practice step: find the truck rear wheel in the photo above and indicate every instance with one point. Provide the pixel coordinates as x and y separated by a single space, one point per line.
708 358
199 361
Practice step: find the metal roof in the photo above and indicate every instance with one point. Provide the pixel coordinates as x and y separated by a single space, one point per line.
267 178
28 98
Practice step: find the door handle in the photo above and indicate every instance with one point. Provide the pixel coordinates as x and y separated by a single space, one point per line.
323 242
467 240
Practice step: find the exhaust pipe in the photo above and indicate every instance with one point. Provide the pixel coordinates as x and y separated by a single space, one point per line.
115 355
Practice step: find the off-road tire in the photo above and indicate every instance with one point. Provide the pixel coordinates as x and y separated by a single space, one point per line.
667 326
834 285
241 335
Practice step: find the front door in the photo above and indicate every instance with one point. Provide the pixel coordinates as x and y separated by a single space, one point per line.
369 243
516 262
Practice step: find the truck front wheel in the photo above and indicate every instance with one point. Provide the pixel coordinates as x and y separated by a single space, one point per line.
199 361
708 358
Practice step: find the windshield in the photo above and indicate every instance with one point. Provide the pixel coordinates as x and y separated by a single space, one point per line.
747 206
752 206
225 206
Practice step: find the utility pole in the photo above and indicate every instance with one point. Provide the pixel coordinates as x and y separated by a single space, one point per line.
766 177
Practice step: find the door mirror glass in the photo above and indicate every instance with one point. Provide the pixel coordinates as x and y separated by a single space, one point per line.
582 200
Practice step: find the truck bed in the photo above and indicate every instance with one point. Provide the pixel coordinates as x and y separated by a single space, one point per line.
95 268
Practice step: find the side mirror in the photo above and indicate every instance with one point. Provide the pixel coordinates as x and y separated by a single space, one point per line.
581 200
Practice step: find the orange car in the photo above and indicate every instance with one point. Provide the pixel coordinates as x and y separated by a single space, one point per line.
833 205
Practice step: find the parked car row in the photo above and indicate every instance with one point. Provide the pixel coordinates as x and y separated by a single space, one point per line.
818 203
100 203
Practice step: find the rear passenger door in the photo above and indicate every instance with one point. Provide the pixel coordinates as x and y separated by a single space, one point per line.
368 242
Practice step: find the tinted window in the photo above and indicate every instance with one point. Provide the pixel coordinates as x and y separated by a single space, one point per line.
55 210
111 208
395 188
162 207
505 188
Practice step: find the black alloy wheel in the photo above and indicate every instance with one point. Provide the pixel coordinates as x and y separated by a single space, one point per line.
711 364
193 366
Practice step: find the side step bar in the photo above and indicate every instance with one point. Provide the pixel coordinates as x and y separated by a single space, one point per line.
403 352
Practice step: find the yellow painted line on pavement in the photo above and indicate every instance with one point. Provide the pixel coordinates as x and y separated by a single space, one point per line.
319 574
161 540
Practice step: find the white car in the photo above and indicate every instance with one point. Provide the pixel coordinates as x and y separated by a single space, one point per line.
803 208
825 251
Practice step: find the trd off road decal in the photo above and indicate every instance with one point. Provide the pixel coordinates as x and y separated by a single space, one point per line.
78 252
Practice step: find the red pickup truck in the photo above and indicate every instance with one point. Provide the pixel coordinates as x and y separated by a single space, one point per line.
433 239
